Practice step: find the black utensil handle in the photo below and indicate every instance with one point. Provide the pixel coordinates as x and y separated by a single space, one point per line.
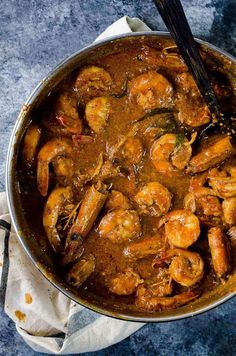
174 17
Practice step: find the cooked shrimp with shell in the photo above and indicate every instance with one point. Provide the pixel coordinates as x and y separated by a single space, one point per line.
170 152
182 228
137 208
153 199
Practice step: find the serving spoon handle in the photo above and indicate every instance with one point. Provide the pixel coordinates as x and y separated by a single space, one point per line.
174 17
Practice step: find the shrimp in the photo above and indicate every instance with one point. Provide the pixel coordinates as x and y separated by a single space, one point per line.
81 271
117 200
90 207
108 170
151 90
30 144
223 185
153 199
208 204
97 112
169 152
67 114
125 283
120 226
210 156
146 247
182 228
93 81
146 301
192 109
163 59
219 251
161 284
186 268
229 210
53 208
63 167
132 150
192 114
51 150
202 198
187 84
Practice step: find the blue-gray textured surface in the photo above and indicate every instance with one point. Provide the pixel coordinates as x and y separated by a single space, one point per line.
34 36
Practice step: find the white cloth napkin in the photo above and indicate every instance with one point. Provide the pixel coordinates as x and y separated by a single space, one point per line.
47 320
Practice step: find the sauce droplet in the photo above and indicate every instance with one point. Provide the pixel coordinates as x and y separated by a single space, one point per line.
20 316
28 298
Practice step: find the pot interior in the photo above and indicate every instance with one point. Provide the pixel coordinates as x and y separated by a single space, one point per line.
30 231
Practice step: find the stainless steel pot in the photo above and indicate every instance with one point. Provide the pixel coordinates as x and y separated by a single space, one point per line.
35 249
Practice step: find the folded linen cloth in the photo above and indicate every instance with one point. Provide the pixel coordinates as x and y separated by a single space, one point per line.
47 320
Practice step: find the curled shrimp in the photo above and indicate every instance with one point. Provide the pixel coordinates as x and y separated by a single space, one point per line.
53 208
51 150
30 144
67 114
93 81
120 226
81 271
219 251
182 228
97 112
145 247
117 200
146 301
224 185
211 155
153 199
229 210
169 152
125 283
132 150
186 268
151 90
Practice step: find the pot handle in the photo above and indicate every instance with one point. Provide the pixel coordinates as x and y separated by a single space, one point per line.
4 225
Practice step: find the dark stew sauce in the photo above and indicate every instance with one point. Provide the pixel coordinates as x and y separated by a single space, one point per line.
134 208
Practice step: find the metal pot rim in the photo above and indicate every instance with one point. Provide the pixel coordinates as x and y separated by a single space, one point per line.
11 151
